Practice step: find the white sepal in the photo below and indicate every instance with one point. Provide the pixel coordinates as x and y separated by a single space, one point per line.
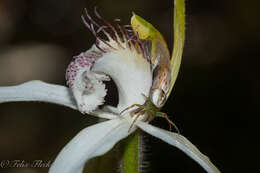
44 92
38 91
182 143
92 141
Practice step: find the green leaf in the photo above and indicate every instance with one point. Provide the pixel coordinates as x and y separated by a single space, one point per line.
178 43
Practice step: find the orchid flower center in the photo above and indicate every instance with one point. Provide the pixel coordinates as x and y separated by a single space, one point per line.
120 56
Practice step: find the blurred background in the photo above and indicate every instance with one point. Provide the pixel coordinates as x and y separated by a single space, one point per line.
214 102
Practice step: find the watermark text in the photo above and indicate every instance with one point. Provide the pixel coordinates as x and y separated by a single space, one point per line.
25 164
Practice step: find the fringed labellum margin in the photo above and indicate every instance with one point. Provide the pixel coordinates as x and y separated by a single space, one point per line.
119 55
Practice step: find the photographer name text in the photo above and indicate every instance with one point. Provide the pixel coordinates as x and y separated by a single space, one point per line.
24 164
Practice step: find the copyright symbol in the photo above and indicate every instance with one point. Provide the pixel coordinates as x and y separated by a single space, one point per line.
4 163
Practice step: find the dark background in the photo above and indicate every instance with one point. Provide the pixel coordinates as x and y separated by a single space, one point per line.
214 102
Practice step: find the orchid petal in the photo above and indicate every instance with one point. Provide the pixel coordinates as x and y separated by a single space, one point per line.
182 143
104 114
38 91
44 92
89 143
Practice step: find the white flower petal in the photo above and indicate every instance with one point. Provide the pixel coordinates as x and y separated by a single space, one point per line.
44 92
90 142
104 114
182 143
38 91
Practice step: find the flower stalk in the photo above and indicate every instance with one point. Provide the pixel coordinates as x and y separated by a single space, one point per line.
131 160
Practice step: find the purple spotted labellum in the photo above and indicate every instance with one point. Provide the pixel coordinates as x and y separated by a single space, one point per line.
86 73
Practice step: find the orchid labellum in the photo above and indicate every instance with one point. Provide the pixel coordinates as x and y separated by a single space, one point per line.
137 59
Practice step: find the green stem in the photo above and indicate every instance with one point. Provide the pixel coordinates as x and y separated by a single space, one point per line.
131 153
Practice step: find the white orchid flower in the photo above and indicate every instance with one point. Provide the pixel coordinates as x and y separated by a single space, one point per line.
125 59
